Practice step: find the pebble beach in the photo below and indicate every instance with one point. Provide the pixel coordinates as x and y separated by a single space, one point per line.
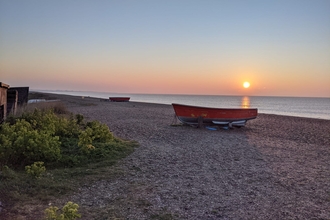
276 167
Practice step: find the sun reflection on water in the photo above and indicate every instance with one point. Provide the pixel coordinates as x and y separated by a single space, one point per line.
245 102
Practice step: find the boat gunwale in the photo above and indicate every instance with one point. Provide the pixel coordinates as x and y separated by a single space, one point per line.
211 108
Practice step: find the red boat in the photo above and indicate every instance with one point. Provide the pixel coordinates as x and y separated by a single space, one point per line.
195 115
119 99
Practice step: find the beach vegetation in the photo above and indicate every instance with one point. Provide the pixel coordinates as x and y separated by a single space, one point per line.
36 169
44 155
57 141
68 212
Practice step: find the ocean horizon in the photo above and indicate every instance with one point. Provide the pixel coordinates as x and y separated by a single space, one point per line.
310 107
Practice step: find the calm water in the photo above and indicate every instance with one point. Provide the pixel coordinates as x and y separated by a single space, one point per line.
293 106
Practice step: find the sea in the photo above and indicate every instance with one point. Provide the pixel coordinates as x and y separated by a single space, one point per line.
292 106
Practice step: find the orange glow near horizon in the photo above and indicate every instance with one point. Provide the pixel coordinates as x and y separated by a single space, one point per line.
149 80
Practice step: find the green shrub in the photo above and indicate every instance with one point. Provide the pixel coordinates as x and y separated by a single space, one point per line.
68 212
45 121
95 132
36 169
59 141
67 127
21 144
99 132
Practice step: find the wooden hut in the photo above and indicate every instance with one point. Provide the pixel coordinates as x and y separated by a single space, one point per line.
22 95
3 101
16 96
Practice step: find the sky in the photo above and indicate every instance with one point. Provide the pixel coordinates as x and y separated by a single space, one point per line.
208 47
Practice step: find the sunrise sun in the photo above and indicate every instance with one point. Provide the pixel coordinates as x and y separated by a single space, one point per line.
246 85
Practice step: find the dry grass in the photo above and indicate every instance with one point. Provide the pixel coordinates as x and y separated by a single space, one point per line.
57 106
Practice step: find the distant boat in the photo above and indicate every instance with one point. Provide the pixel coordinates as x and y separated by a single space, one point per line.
119 99
195 115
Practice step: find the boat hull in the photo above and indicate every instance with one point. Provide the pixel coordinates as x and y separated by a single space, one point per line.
216 116
119 99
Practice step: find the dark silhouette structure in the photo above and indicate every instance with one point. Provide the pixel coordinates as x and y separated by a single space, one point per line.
3 101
